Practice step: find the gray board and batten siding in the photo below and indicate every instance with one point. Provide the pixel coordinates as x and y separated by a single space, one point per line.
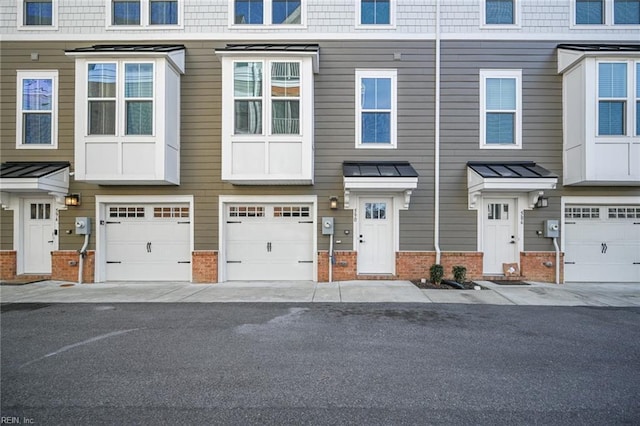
200 150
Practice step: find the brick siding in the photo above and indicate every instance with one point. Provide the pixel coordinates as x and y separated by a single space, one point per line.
413 265
533 268
8 262
65 264
344 268
204 264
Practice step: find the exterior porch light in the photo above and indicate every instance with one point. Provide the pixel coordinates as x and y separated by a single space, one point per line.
542 202
333 203
72 200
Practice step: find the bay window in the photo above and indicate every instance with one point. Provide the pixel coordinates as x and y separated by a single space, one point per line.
267 119
127 114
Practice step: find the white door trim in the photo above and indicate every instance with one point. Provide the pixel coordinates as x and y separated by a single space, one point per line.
357 232
101 216
521 204
19 232
224 200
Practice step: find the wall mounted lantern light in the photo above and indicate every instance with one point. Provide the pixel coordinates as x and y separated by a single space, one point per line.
542 202
72 200
333 203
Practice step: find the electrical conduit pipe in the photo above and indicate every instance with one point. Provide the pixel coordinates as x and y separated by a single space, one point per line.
83 253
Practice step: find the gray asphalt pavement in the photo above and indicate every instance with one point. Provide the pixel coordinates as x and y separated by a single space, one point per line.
534 294
301 363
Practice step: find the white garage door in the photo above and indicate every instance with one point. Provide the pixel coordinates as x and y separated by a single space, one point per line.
269 242
148 243
602 243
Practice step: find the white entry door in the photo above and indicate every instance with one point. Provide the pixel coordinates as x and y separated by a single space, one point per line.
499 239
39 236
375 236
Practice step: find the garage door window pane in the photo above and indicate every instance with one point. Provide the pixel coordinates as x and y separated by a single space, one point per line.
246 211
131 212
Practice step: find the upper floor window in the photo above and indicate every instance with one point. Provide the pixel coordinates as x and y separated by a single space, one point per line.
37 109
37 14
500 12
603 12
120 92
626 12
267 12
637 98
500 108
589 12
375 12
280 101
376 108
618 99
146 13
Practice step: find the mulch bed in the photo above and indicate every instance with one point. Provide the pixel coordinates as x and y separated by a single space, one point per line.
431 286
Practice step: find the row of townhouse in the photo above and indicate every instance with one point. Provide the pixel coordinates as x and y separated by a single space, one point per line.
221 140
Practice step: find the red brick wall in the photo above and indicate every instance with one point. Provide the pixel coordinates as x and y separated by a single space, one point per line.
8 264
532 266
204 264
63 270
413 265
344 268
470 260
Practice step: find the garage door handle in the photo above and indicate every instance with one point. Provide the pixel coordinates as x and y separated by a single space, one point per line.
184 261
50 241
113 261
148 247
569 263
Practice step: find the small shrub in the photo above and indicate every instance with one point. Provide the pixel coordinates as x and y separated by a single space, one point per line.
459 274
436 272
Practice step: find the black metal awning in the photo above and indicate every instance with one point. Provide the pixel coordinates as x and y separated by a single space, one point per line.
378 169
600 47
518 170
123 48
30 169
270 47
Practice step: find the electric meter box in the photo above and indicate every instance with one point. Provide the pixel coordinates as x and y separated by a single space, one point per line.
83 225
551 228
327 226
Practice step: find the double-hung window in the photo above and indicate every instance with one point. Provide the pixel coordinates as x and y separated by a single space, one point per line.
618 98
500 12
120 92
280 101
589 12
37 14
267 12
603 12
500 109
145 13
612 98
37 109
376 108
375 12
626 12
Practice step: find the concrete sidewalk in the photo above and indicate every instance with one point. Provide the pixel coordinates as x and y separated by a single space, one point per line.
535 294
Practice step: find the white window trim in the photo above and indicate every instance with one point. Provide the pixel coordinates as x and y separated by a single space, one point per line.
377 73
517 75
267 16
144 18
54 18
121 100
608 20
392 18
516 17
44 74
629 99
